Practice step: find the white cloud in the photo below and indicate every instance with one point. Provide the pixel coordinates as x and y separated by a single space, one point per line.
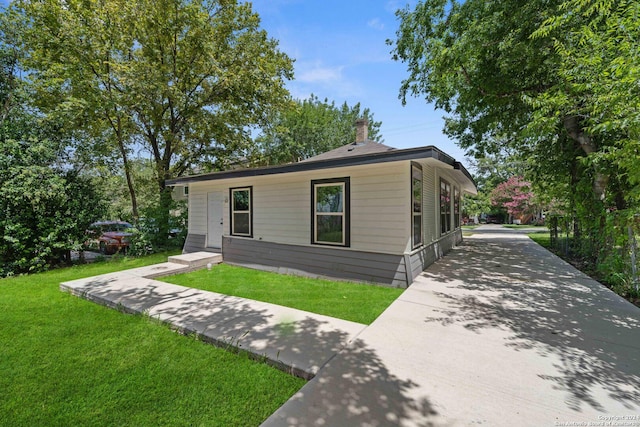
317 73
376 24
332 82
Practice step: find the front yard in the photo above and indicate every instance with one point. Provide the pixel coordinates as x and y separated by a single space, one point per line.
349 301
67 361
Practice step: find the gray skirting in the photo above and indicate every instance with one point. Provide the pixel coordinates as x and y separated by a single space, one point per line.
321 261
342 264
422 258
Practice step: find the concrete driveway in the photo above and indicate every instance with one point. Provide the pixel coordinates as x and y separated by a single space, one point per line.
500 332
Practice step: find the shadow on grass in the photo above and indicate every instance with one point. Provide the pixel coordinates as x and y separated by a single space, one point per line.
549 307
359 388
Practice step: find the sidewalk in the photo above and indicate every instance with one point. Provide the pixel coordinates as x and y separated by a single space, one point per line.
294 340
500 332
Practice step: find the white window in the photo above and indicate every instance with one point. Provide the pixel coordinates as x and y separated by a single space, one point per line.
416 204
241 212
445 207
456 206
330 222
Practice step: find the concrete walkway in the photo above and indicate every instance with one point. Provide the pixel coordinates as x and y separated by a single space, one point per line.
294 340
500 332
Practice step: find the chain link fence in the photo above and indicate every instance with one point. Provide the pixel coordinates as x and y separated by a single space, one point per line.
608 249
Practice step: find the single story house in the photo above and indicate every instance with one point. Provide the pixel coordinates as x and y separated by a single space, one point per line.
362 212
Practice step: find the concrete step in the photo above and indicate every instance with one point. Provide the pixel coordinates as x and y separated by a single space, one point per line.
196 259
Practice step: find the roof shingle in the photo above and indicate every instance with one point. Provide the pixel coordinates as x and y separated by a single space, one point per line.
352 149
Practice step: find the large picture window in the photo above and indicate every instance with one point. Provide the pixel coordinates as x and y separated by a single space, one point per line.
241 212
456 206
330 209
445 206
416 204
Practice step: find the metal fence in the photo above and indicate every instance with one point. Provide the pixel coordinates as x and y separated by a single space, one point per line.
611 250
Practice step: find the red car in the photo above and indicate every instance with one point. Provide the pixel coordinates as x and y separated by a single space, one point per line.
109 237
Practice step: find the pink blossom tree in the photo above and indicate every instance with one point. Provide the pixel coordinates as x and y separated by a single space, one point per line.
515 196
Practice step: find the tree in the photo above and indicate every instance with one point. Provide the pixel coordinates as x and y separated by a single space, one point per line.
489 172
185 79
9 63
597 43
74 74
494 169
113 183
477 61
498 70
529 75
515 196
46 210
555 80
46 203
309 128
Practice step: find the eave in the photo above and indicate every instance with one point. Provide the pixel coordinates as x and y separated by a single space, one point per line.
428 152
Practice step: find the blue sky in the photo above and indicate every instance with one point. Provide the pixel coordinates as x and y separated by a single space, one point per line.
340 54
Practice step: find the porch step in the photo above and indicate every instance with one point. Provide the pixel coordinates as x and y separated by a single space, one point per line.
196 259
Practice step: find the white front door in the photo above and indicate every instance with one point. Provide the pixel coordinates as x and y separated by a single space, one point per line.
215 207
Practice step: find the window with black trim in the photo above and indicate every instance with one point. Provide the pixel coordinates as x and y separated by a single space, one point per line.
330 222
456 206
185 190
445 206
416 204
241 211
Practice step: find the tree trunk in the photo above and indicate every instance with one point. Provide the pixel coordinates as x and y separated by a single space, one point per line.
577 133
577 235
118 129
127 173
163 173
164 212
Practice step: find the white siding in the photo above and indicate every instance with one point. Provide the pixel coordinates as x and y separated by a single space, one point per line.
380 216
281 209
380 205
197 209
282 206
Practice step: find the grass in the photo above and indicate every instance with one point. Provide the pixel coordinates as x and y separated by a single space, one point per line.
67 361
542 228
543 240
349 301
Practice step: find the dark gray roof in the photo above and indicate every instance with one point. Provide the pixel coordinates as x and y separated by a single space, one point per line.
353 149
386 154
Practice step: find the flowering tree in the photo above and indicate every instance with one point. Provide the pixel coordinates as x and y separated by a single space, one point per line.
515 196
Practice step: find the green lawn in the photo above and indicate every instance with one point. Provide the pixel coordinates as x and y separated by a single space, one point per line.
67 361
541 228
349 301
543 240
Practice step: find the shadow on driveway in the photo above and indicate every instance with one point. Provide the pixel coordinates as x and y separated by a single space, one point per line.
510 283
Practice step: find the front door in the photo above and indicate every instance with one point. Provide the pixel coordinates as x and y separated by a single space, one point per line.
215 207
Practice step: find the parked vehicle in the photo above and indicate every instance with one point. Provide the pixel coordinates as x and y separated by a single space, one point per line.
109 237
150 226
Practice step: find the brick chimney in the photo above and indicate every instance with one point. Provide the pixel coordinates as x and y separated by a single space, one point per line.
362 130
